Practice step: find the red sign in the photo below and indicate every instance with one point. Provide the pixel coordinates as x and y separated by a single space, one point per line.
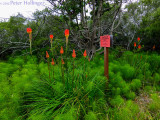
105 41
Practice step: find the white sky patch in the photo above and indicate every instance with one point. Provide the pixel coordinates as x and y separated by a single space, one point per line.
25 7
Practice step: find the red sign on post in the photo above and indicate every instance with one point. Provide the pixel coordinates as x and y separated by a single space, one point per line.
105 41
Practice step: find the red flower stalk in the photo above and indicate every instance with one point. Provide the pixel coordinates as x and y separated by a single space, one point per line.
62 61
29 30
66 32
139 46
51 37
47 55
138 39
154 47
74 54
85 53
52 62
61 51
89 59
134 44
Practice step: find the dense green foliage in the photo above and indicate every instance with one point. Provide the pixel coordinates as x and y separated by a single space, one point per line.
27 92
31 89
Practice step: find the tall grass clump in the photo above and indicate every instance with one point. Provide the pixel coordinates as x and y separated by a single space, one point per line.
75 99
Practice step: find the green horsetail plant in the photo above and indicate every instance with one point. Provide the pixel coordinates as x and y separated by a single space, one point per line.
29 31
154 106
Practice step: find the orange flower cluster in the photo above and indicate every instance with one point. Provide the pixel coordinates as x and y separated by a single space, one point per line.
52 62
51 37
138 39
62 61
85 53
134 44
74 54
66 32
29 30
139 46
61 51
47 55
154 47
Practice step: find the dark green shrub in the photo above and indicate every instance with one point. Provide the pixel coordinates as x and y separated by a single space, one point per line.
117 101
125 90
18 61
135 84
91 116
131 95
156 79
127 72
3 77
116 91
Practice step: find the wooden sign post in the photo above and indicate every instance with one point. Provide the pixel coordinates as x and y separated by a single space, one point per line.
105 42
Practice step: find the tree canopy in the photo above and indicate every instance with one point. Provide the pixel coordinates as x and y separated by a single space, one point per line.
87 20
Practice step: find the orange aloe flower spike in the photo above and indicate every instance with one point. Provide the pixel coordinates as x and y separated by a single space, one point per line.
154 47
74 54
61 51
51 37
85 53
66 32
134 44
52 62
29 30
62 61
138 39
139 46
47 55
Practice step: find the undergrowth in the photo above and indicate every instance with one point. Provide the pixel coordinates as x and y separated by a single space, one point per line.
28 92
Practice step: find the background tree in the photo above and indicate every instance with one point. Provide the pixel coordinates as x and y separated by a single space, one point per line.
150 24
88 20
12 35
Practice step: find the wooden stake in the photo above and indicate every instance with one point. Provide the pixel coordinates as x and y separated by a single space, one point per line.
106 51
